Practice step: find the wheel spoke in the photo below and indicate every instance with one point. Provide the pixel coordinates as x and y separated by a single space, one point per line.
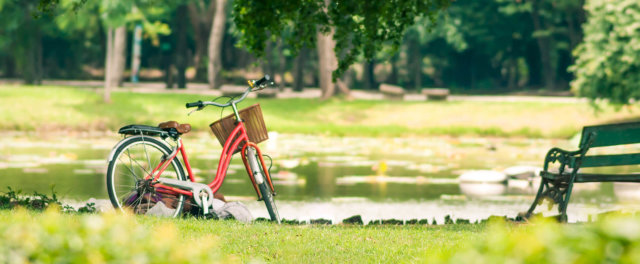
144 146
139 165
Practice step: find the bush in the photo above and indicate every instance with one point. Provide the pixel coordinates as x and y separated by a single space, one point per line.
612 240
608 61
52 237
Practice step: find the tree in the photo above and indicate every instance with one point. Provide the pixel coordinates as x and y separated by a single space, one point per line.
555 31
359 28
427 38
22 34
181 45
201 17
608 61
215 44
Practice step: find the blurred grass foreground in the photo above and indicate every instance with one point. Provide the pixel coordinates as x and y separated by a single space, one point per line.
52 237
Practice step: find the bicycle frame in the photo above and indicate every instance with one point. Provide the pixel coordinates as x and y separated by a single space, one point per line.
237 137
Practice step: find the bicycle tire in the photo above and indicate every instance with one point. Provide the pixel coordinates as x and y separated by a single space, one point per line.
265 190
128 185
269 202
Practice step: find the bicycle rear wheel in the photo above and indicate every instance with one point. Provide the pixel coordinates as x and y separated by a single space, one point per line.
134 159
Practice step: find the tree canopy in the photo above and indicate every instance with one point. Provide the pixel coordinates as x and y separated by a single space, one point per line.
361 27
608 61
469 46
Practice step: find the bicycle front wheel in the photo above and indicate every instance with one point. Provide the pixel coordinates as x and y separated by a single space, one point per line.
263 185
269 202
128 182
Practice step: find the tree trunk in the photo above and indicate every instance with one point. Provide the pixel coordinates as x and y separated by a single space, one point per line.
368 77
415 63
215 45
201 18
119 55
37 49
108 71
181 46
512 73
544 45
9 67
326 63
282 64
393 77
32 68
198 57
267 62
298 71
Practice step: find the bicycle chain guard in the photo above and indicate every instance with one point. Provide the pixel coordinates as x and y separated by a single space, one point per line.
196 188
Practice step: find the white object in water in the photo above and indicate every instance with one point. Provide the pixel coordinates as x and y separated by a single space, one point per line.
289 163
627 191
478 190
486 176
522 172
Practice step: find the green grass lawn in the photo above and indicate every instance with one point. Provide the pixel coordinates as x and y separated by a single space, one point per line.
52 237
45 108
327 244
114 236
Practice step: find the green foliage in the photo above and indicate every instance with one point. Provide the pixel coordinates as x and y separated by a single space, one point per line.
109 238
615 239
39 202
12 199
608 61
361 27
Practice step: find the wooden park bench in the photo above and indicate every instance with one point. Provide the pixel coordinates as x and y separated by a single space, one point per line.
392 92
556 185
436 94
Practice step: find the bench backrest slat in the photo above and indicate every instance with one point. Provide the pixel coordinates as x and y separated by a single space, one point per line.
611 135
610 160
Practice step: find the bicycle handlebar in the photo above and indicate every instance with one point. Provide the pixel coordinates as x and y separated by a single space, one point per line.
194 104
259 83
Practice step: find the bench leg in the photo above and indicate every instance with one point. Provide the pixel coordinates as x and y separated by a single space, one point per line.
557 192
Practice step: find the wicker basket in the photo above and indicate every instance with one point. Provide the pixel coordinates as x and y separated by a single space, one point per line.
253 122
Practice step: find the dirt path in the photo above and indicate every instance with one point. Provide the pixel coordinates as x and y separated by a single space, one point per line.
203 89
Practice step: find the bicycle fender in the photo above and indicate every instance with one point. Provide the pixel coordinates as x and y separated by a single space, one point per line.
122 142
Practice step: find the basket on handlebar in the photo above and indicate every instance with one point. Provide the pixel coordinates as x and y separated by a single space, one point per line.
253 122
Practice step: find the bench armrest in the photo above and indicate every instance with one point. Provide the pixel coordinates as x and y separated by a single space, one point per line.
564 157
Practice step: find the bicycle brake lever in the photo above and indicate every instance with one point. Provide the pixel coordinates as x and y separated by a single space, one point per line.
197 109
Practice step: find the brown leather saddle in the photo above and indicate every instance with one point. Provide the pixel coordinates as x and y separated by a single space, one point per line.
181 128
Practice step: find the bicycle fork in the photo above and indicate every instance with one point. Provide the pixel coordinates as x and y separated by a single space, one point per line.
253 168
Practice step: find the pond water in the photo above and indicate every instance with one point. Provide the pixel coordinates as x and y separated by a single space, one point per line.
328 177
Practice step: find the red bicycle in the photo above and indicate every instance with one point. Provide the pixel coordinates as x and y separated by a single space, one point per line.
144 169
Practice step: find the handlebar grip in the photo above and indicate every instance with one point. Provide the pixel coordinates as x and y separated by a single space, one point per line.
264 79
194 104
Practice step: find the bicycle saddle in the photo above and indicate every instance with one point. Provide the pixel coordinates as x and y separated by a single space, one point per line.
181 128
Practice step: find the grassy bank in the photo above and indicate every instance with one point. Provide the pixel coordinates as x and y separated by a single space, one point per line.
52 237
28 108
